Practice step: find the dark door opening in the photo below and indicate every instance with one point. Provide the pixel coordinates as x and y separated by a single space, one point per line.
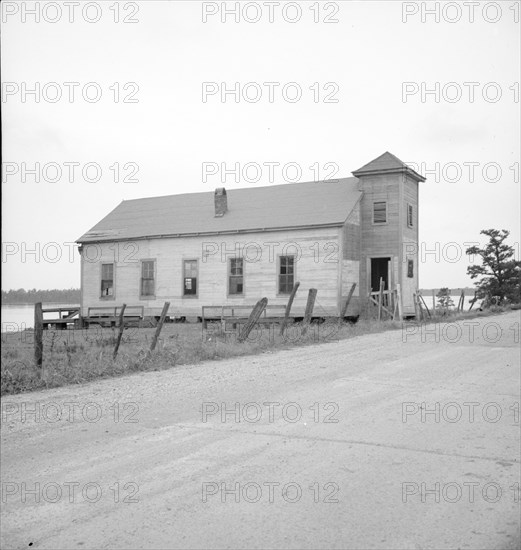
379 270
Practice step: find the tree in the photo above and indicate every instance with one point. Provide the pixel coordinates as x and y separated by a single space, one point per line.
499 273
444 300
31 296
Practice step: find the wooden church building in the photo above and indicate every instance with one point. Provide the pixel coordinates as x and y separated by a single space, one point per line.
236 246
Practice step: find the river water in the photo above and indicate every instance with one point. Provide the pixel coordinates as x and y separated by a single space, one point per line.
20 316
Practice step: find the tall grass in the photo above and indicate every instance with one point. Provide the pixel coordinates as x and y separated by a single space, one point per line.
78 356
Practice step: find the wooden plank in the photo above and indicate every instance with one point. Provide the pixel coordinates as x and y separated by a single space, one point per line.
288 308
252 320
65 308
159 327
120 333
380 300
420 308
474 300
376 303
312 294
425 306
462 301
72 314
62 321
349 296
399 300
38 335
100 311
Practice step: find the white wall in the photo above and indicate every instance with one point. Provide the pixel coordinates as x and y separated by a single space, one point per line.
317 266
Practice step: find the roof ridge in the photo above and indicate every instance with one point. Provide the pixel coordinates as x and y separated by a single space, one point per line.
231 189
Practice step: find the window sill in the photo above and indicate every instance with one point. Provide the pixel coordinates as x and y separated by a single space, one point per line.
190 296
151 297
107 298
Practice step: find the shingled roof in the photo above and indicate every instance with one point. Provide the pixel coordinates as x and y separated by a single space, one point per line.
250 209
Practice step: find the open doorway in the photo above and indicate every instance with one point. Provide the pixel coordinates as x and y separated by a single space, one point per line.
379 270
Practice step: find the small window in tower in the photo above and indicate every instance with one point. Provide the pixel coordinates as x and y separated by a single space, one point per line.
380 212
410 269
409 215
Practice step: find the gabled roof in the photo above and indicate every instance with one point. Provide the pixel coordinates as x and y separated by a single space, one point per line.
387 163
249 209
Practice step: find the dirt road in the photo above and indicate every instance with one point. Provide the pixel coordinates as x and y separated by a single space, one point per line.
393 440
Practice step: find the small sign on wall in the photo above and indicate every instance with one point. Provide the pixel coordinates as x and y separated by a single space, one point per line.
410 269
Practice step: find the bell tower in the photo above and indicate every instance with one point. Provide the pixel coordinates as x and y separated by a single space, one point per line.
389 227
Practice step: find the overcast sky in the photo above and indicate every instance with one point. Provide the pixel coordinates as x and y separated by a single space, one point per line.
361 80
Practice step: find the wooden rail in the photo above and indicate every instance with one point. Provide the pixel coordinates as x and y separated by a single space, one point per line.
385 301
67 315
241 314
110 314
113 311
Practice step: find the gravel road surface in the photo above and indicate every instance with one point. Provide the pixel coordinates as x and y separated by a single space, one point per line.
403 439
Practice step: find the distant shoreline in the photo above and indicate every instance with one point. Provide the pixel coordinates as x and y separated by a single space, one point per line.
53 302
21 296
452 289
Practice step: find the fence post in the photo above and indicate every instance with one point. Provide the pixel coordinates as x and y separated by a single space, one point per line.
256 312
120 333
344 309
425 305
312 294
419 302
462 300
474 300
399 300
288 308
159 327
38 335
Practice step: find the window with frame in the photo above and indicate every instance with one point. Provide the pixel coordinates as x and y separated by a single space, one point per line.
107 280
190 277
380 212
409 215
236 277
286 274
148 278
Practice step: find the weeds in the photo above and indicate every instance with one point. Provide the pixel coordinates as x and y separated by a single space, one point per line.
87 354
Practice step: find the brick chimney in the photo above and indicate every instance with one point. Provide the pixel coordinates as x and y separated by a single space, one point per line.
221 202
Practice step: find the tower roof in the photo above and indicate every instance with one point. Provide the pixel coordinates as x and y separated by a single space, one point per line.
387 163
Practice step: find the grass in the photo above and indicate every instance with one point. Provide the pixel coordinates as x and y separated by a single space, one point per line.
78 356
